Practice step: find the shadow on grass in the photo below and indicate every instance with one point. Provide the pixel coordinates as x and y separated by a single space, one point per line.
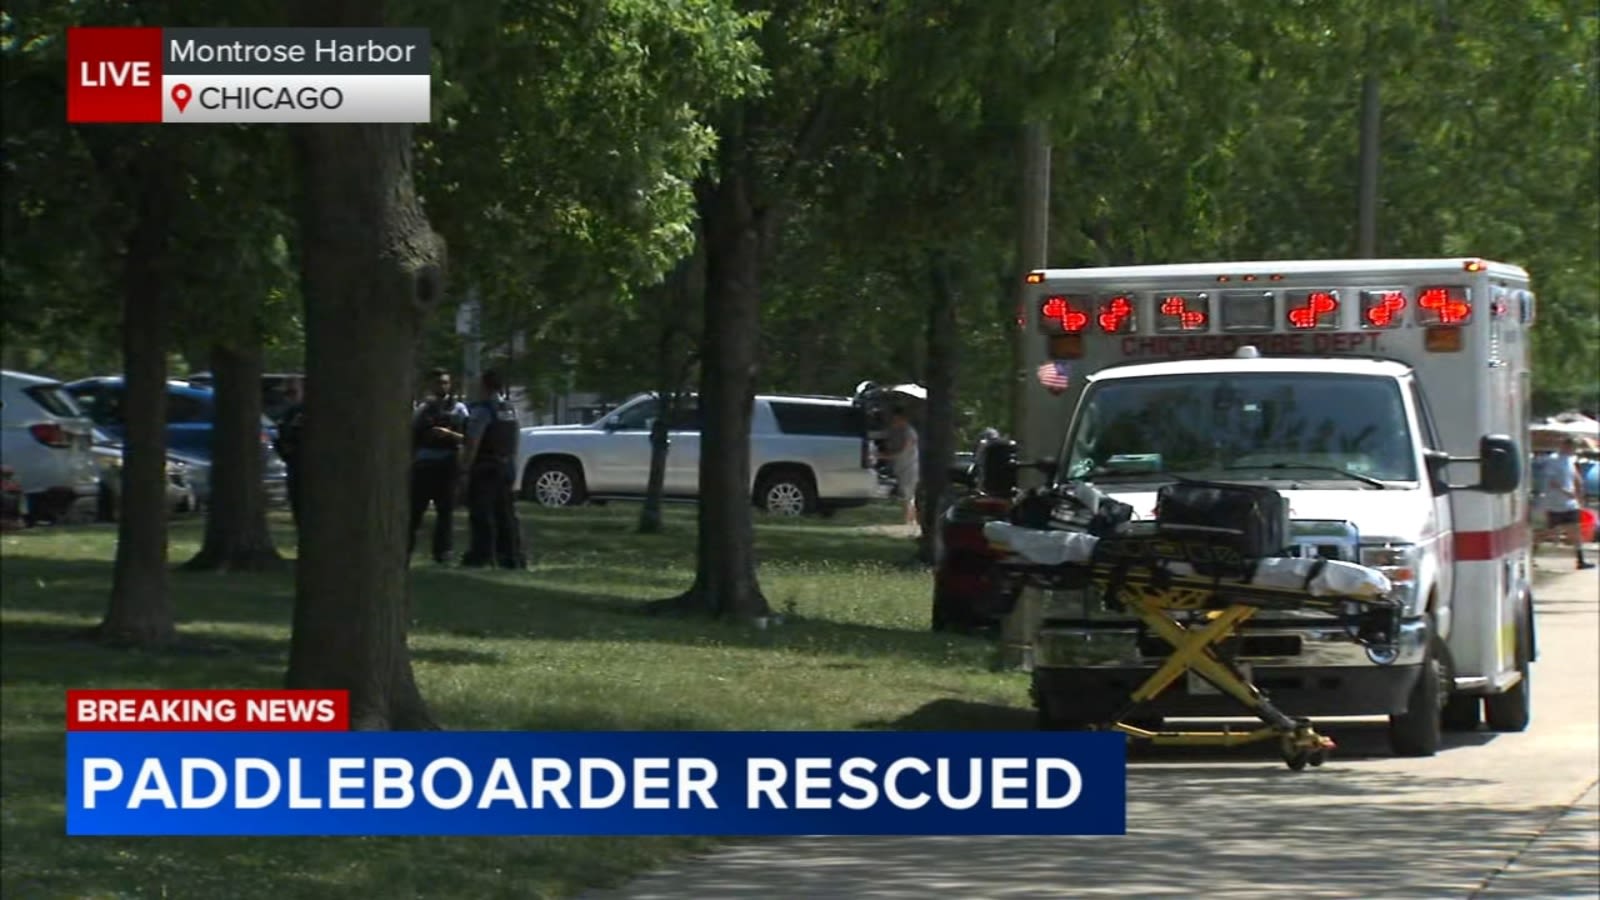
58 654
1355 740
573 595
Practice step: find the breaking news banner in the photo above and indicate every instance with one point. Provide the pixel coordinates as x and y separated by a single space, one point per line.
259 763
249 75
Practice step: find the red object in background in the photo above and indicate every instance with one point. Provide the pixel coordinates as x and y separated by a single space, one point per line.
209 710
1586 524
10 501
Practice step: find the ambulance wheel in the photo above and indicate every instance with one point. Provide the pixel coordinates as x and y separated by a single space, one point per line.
1419 730
1512 710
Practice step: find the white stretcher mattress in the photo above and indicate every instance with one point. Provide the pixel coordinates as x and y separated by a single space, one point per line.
1336 579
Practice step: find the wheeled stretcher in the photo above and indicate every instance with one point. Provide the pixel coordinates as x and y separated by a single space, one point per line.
1194 601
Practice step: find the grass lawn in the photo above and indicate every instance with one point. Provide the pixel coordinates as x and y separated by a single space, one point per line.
561 647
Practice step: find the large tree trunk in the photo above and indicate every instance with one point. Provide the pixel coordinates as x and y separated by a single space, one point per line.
140 610
237 537
371 269
939 422
725 583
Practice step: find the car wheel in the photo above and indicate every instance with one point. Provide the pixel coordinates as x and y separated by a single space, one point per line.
787 493
1512 710
555 483
1419 730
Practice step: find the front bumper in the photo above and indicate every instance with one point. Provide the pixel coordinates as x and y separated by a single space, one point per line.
1312 671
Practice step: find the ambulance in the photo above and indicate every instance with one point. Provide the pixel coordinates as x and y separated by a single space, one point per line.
1388 400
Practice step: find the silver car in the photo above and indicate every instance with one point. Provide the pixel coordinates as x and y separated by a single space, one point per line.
108 456
48 444
808 454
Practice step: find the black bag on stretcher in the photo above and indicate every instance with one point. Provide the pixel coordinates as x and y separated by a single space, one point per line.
1237 524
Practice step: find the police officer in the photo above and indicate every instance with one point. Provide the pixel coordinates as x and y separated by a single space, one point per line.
491 455
438 429
291 425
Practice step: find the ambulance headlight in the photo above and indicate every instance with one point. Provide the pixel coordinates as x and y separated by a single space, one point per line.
1399 563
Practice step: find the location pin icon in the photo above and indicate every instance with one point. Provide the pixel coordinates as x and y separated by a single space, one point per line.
181 95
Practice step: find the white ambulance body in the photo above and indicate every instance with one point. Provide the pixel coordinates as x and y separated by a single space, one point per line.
1364 375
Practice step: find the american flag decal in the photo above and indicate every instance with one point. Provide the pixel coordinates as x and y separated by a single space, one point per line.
1054 375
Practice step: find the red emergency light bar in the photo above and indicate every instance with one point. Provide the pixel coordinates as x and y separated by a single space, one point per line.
1063 314
1182 312
1382 309
1315 310
1116 315
1443 306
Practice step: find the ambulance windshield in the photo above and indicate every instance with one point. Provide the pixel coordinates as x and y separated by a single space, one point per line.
1349 429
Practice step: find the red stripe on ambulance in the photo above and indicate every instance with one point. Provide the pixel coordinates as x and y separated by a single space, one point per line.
1480 546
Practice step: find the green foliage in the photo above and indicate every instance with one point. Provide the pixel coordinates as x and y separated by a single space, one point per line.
69 194
559 166
569 135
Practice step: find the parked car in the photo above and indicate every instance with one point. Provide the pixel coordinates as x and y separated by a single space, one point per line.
274 389
108 458
274 479
191 413
808 454
47 444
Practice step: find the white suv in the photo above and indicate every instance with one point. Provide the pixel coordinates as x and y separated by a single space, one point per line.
47 442
808 454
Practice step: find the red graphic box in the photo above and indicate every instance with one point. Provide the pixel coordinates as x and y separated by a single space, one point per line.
114 74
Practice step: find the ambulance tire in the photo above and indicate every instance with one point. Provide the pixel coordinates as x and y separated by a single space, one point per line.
1419 730
1512 710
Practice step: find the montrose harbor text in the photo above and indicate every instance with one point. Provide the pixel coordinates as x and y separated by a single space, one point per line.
321 51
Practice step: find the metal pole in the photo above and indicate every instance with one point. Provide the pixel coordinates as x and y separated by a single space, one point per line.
1368 206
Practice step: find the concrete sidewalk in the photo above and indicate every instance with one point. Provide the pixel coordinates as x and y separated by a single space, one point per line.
1562 861
1492 815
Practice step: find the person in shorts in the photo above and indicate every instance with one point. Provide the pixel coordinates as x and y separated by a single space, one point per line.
1562 497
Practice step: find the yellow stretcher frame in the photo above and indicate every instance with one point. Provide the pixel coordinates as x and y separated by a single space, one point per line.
1159 597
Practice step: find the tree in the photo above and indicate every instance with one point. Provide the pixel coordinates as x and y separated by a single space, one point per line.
122 191
560 165
140 609
248 263
815 55
675 362
372 269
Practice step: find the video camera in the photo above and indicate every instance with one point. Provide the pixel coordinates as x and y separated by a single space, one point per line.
877 405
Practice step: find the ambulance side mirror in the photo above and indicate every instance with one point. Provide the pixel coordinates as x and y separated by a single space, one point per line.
1499 465
997 468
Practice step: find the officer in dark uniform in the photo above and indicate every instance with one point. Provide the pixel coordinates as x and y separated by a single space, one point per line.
438 428
291 426
491 454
